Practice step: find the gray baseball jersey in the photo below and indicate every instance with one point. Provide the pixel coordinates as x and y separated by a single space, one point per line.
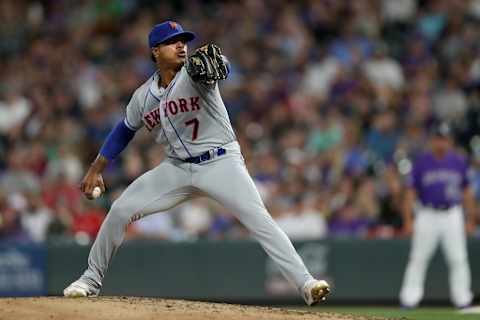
188 118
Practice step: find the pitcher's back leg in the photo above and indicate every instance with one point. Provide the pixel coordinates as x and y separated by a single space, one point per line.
157 190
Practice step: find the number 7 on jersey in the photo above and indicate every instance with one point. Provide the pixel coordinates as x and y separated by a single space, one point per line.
195 124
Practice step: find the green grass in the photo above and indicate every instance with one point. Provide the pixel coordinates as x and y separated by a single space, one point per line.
442 313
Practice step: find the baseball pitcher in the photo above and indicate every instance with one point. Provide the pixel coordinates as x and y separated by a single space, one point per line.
440 185
181 106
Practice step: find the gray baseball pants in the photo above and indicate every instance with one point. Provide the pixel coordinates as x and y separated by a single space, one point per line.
225 179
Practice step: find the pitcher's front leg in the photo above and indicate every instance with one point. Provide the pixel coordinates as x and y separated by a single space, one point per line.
155 191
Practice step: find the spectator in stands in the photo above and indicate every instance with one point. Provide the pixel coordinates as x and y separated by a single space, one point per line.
329 93
36 217
11 229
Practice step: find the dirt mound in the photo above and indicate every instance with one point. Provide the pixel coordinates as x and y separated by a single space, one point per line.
59 308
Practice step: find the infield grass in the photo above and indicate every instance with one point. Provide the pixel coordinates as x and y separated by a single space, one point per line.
438 313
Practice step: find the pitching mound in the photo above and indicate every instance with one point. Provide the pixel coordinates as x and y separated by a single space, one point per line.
59 308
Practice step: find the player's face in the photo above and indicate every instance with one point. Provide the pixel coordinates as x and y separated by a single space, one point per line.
172 52
440 144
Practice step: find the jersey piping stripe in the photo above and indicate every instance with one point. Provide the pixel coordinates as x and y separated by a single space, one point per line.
178 136
163 129
174 129
151 92
129 126
169 88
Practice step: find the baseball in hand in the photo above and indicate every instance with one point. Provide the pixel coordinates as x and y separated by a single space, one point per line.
96 192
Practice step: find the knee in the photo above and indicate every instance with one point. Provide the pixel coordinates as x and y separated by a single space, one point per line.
419 261
120 213
457 260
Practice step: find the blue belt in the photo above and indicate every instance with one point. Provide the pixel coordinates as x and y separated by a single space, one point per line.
206 155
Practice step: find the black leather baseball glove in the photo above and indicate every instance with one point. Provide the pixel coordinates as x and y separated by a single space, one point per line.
207 64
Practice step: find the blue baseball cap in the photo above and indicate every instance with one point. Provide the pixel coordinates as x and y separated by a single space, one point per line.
166 30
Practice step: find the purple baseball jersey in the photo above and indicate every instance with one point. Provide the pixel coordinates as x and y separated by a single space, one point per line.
439 183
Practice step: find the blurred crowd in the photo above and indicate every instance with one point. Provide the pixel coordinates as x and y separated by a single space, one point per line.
330 99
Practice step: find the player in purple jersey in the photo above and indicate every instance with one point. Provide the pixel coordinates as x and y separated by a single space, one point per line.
438 191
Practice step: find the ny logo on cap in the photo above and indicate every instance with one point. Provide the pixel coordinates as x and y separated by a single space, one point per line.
173 25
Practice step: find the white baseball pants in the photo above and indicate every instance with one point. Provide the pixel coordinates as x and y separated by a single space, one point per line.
430 229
